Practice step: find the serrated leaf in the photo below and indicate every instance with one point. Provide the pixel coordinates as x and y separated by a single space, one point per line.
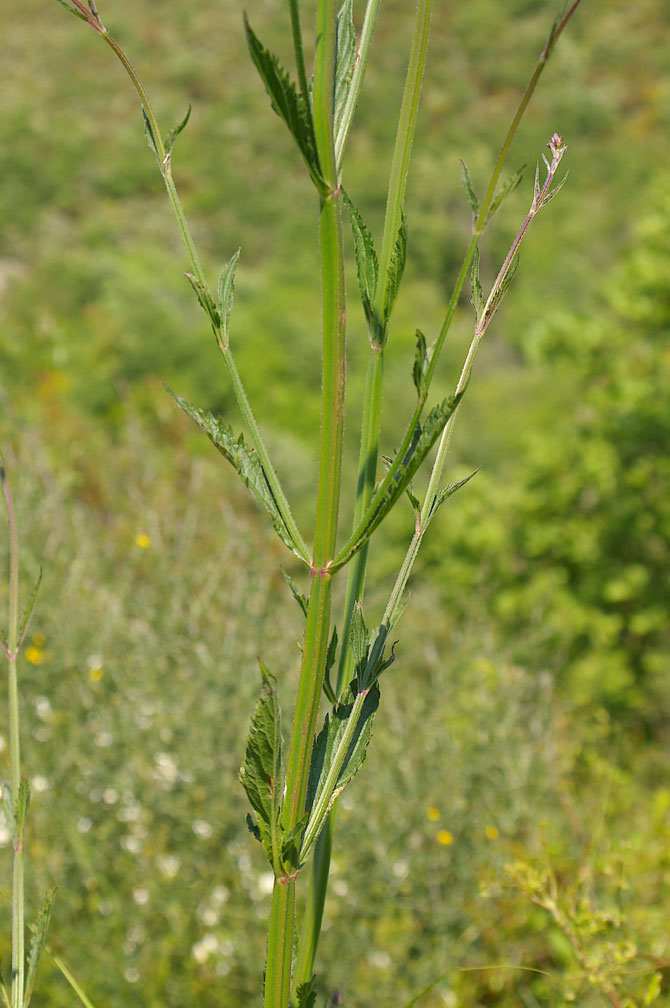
174 133
414 501
421 361
373 663
306 994
298 596
262 773
292 107
37 943
243 459
28 611
325 751
367 264
402 472
505 189
22 805
205 300
396 269
469 190
346 59
477 297
359 636
444 495
149 134
225 290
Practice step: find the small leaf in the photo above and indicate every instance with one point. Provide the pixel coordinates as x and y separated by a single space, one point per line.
205 300
557 188
367 265
253 828
291 844
225 291
28 611
469 190
396 269
37 943
477 297
306 994
359 636
421 361
76 13
298 596
8 811
149 134
330 661
502 288
444 495
21 805
506 188
290 106
245 462
174 133
346 59
262 773
3 989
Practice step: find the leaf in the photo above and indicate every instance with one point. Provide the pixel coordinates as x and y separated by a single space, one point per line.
401 473
243 459
8 811
346 59
367 264
87 1003
444 495
330 661
76 13
325 748
291 844
359 639
420 369
557 188
205 300
306 994
28 611
174 133
298 596
3 989
502 288
505 189
262 773
149 134
396 269
225 290
21 805
292 107
477 297
37 943
469 189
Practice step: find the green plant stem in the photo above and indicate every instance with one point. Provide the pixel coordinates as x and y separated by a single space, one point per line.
18 899
280 935
165 164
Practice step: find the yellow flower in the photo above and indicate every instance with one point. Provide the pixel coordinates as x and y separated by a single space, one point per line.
39 640
492 832
142 540
444 837
95 674
34 655
433 813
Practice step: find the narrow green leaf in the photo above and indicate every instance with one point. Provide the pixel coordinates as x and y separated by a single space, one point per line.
396 269
8 810
76 13
298 596
445 494
477 297
28 611
421 362
346 59
225 291
359 637
262 773
330 661
21 805
245 462
3 989
174 133
292 107
87 1003
374 663
469 190
252 826
37 943
367 265
291 844
557 188
148 133
205 300
326 744
503 192
502 288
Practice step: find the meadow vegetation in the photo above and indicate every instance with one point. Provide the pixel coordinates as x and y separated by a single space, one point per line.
508 840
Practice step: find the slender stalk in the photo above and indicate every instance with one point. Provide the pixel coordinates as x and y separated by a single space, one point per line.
18 899
367 32
328 490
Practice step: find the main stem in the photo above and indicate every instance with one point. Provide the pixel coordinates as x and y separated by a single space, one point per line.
18 910
282 922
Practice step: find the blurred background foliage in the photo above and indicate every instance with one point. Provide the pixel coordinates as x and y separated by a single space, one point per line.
508 842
